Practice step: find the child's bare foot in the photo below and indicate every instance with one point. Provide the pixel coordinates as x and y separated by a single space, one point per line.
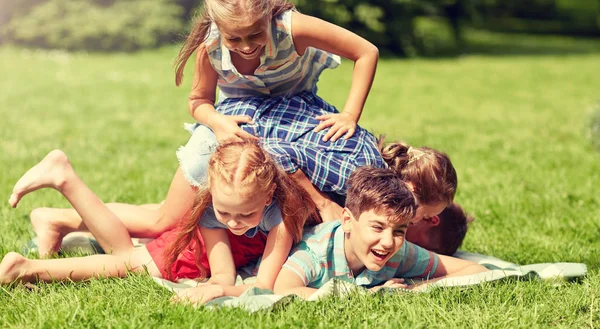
11 268
48 230
50 172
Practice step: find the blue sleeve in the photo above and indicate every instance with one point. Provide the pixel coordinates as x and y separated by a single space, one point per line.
416 262
271 218
209 220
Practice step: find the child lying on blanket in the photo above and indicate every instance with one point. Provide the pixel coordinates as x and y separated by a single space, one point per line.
367 246
443 233
249 207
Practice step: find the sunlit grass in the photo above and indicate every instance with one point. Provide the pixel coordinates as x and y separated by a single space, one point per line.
516 126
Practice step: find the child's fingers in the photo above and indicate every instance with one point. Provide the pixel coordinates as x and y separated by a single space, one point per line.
349 133
330 133
395 281
323 117
179 299
244 135
324 124
397 286
341 131
242 119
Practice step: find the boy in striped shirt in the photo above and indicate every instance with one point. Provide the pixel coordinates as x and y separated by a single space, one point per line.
367 245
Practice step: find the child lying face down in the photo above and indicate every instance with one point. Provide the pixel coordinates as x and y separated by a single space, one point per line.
442 234
367 246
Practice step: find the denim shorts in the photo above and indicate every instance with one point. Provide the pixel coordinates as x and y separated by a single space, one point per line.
195 155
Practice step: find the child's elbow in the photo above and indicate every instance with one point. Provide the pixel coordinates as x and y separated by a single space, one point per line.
373 51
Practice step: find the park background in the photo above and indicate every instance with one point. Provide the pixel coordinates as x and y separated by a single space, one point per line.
509 89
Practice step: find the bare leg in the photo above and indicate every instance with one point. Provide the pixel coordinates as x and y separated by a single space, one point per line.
55 171
51 225
16 268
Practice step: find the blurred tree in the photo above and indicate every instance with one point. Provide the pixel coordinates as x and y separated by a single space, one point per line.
390 24
99 25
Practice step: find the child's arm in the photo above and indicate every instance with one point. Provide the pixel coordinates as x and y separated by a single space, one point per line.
452 266
222 268
328 209
202 99
279 243
288 282
309 31
417 262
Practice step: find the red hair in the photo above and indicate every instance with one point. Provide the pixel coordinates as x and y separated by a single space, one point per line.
247 167
429 171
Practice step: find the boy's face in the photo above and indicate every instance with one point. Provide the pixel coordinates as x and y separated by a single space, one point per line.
373 239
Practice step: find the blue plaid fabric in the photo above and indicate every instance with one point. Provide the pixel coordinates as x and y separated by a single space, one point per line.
285 126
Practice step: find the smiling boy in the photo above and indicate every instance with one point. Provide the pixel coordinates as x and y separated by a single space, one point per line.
367 246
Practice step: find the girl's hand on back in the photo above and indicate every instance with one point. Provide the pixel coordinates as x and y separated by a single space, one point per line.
340 124
226 127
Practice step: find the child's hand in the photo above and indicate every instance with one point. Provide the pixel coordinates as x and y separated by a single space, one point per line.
392 283
226 128
198 295
339 123
330 211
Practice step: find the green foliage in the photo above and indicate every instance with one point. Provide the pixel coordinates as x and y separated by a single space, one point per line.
97 25
540 16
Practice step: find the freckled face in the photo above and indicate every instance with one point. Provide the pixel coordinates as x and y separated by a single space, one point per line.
248 41
239 212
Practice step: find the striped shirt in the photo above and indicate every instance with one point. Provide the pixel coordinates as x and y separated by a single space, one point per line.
320 257
282 72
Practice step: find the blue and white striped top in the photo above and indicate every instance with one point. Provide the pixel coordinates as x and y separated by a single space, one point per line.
320 257
282 72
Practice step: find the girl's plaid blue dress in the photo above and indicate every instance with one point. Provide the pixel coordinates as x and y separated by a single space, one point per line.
281 98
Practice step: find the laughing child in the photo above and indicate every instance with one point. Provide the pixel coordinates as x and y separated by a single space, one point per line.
367 246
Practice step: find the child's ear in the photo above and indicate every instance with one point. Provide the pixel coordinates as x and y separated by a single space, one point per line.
346 220
434 221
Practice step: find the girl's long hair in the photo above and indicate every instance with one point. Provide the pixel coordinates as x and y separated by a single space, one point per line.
429 171
248 168
231 12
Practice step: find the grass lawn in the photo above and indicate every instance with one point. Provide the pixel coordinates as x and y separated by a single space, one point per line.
515 122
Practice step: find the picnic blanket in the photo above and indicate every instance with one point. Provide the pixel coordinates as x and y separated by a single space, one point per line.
255 299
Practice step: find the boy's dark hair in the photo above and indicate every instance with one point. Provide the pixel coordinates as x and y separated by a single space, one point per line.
380 190
451 231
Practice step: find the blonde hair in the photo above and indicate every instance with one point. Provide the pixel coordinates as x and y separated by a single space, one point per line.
245 166
232 12
429 171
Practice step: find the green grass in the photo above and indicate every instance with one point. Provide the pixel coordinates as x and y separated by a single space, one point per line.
516 127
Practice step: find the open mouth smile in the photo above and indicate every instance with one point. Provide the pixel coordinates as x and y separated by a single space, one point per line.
249 53
380 254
